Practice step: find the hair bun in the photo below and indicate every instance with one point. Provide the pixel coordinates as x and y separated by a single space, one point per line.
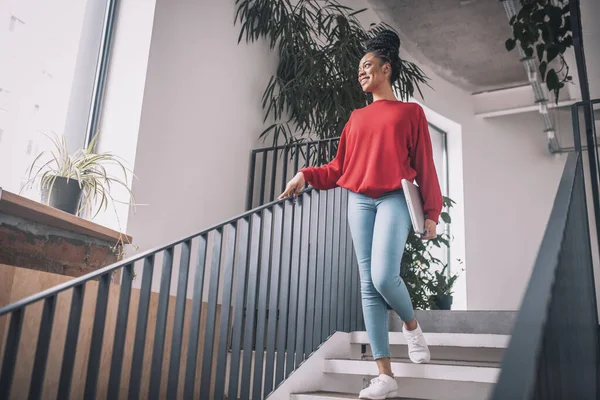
385 40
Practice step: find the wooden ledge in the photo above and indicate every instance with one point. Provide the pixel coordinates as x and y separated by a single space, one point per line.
19 206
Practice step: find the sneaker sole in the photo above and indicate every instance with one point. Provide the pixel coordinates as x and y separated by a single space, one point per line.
390 395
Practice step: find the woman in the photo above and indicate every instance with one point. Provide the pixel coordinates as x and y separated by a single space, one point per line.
381 144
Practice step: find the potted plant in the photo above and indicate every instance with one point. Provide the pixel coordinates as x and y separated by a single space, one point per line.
543 28
440 288
76 183
418 261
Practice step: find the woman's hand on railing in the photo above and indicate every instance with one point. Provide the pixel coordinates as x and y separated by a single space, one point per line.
294 186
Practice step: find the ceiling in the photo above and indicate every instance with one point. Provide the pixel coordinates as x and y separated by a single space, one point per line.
463 41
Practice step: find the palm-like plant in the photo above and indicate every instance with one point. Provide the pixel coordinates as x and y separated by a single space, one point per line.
319 43
87 168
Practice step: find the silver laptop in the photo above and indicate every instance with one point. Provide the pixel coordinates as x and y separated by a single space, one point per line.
415 206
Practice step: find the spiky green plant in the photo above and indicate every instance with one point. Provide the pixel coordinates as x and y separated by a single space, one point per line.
86 167
319 43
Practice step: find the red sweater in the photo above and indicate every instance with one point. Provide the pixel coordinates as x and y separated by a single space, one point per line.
381 144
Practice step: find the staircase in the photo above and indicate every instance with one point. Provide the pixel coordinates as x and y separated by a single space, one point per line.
466 351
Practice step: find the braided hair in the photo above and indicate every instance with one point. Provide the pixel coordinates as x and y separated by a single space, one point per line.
386 46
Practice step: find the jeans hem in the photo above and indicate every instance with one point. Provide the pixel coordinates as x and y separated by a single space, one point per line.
377 357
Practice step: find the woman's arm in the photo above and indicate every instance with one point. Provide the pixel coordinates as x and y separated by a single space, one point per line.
421 159
326 176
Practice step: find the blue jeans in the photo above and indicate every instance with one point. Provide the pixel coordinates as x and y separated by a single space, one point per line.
379 230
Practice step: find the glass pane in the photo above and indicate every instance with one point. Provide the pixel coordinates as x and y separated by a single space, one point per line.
48 56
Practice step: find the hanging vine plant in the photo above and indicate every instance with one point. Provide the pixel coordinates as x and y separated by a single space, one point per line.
543 28
319 43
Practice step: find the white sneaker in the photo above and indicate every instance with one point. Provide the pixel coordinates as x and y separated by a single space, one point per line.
418 352
382 387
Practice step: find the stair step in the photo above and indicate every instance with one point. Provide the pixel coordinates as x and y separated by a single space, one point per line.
448 371
475 340
332 396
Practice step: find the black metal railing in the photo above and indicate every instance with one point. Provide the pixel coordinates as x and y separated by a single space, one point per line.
553 352
265 290
272 167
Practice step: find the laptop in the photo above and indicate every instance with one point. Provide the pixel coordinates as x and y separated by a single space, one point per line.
415 206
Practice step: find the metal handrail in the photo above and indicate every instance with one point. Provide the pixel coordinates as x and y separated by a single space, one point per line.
292 256
138 257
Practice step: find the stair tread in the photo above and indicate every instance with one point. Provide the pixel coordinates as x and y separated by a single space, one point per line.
461 363
344 395
403 368
443 339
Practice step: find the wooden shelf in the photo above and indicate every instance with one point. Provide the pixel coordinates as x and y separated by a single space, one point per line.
19 206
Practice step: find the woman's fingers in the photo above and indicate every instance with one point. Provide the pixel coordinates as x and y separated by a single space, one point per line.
289 190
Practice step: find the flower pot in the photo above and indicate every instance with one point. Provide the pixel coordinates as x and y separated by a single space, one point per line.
442 302
65 195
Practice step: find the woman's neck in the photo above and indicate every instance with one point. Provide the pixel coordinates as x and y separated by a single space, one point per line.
386 93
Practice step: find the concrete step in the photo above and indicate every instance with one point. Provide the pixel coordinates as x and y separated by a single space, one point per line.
444 346
331 396
463 371
482 322
472 340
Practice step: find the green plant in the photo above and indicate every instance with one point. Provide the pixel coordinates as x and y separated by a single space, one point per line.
84 166
419 263
319 43
544 29
442 283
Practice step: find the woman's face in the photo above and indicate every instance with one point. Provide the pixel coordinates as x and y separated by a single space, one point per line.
373 73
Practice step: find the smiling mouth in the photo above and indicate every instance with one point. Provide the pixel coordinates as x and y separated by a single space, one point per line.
363 81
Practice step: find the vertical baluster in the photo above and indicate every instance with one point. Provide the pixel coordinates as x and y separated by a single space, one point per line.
161 324
273 174
240 298
320 287
342 266
178 319
211 314
293 303
195 317
263 293
357 294
116 363
312 273
43 345
68 361
11 350
331 150
319 153
327 283
137 361
251 174
361 320
286 156
303 278
349 271
296 158
263 178
249 325
229 253
272 317
93 368
288 218
335 262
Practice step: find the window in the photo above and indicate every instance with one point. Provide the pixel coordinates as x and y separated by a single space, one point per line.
440 158
51 53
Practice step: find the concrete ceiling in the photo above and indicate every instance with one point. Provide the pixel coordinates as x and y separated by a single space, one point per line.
463 41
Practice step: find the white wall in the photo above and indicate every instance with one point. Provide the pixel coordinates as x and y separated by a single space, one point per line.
200 119
123 98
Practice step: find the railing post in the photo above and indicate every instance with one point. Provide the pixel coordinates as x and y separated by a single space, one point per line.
250 189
